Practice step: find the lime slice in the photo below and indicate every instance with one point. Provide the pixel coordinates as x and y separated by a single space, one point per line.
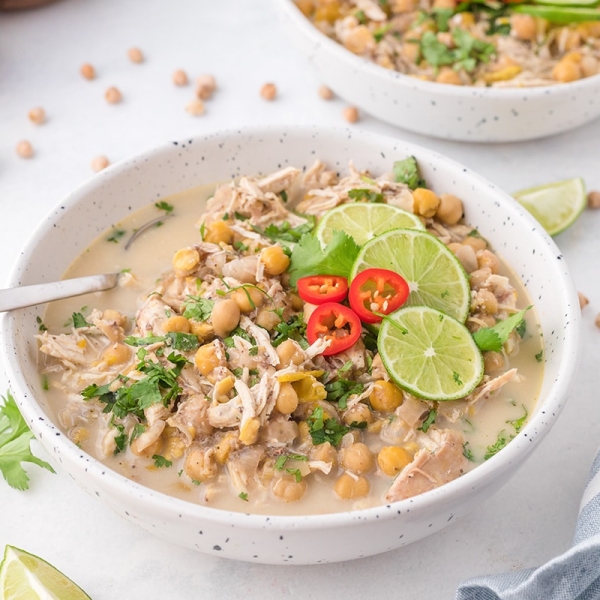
363 221
568 3
24 576
556 205
559 14
429 354
435 276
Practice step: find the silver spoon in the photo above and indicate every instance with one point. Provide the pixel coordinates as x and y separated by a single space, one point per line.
30 295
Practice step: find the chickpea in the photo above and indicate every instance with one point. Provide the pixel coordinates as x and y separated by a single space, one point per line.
329 12
597 320
450 210
287 399
203 331
195 108
593 199
275 260
116 354
114 316
351 114
180 78
249 431
385 396
583 300
493 361
449 76
205 86
267 319
218 232
185 259
176 323
87 71
325 452
426 202
566 70
475 242
402 6
247 298
410 51
268 92
206 359
444 4
357 458
225 446
392 459
487 302
325 93
225 316
99 163
463 20
135 55
348 488
199 464
479 277
589 66
37 115
113 95
486 258
359 413
24 149
306 7
359 40
297 302
288 489
523 27
289 352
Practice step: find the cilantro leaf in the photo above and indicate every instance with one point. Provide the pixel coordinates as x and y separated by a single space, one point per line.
493 338
518 423
467 452
340 390
185 342
79 320
502 440
162 205
429 421
285 232
161 461
337 258
407 171
198 308
325 430
292 329
365 195
15 438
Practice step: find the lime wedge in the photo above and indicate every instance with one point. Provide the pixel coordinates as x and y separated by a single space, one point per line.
435 276
363 221
568 3
555 205
559 14
24 576
429 354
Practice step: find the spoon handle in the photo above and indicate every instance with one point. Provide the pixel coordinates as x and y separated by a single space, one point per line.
30 295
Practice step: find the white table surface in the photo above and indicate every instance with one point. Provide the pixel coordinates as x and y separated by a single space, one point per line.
526 523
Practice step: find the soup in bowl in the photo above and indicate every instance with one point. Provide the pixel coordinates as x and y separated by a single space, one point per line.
227 397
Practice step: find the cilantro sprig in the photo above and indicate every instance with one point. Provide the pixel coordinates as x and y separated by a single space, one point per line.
493 338
340 390
407 171
323 429
337 258
15 438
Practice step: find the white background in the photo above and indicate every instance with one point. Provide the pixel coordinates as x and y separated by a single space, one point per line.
529 521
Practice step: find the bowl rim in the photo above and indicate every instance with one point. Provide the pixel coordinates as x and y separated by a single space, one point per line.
455 91
519 448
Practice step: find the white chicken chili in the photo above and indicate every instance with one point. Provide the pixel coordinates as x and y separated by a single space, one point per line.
238 364
484 43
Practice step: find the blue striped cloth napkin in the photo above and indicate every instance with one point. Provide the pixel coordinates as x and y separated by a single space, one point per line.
574 575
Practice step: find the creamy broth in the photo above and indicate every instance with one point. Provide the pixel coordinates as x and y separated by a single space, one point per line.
148 258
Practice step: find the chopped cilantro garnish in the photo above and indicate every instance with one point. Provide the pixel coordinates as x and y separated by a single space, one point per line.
296 473
15 437
121 439
323 429
340 390
79 320
284 196
198 308
283 458
162 205
456 378
161 461
429 421
503 439
292 329
132 340
243 496
493 338
116 235
467 452
406 171
337 258
41 326
137 430
365 195
285 232
240 246
239 332
185 342
518 423
539 356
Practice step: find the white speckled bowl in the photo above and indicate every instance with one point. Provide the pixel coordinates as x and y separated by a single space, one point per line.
127 186
471 114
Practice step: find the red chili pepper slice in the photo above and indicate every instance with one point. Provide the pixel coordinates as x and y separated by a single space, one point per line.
334 322
377 291
318 289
